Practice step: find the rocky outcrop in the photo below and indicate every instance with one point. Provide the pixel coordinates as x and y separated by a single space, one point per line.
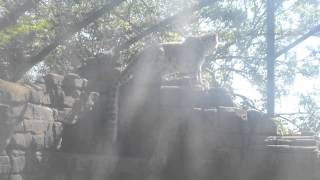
32 121
63 128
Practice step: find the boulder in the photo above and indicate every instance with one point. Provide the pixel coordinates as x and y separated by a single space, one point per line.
33 112
53 88
231 119
21 141
5 165
73 82
13 93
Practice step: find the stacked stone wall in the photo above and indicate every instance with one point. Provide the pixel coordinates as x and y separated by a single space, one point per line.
33 118
180 132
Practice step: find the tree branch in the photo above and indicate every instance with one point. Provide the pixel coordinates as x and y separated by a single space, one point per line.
238 57
71 30
12 17
292 114
135 28
30 62
299 40
157 27
290 121
248 101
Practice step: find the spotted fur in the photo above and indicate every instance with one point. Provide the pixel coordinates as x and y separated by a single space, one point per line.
184 58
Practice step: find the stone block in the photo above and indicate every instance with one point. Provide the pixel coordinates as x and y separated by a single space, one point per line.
36 126
57 97
304 142
6 132
93 97
37 162
216 97
4 113
3 153
40 82
67 116
59 176
7 126
40 97
78 107
13 92
19 128
98 176
30 162
232 140
81 83
30 176
38 141
232 120
79 176
259 124
15 152
5 165
259 141
76 94
68 101
53 79
98 86
83 164
53 88
57 130
49 138
27 141
254 115
4 177
33 112
173 96
210 116
268 127
23 141
72 82
70 77
16 177
18 160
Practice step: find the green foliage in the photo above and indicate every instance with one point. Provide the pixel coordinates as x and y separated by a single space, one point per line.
226 15
282 126
26 26
310 69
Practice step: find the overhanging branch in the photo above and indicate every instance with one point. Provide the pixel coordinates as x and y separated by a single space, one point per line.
11 18
93 16
162 24
299 40
30 62
71 30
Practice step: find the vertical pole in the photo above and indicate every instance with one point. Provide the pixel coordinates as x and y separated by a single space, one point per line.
270 58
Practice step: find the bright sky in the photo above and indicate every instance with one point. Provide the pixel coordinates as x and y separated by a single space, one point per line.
288 104
301 85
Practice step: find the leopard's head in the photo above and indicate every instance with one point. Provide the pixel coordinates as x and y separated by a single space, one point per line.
210 41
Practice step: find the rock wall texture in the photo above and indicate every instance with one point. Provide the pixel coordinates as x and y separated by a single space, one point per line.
28 130
33 118
63 128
